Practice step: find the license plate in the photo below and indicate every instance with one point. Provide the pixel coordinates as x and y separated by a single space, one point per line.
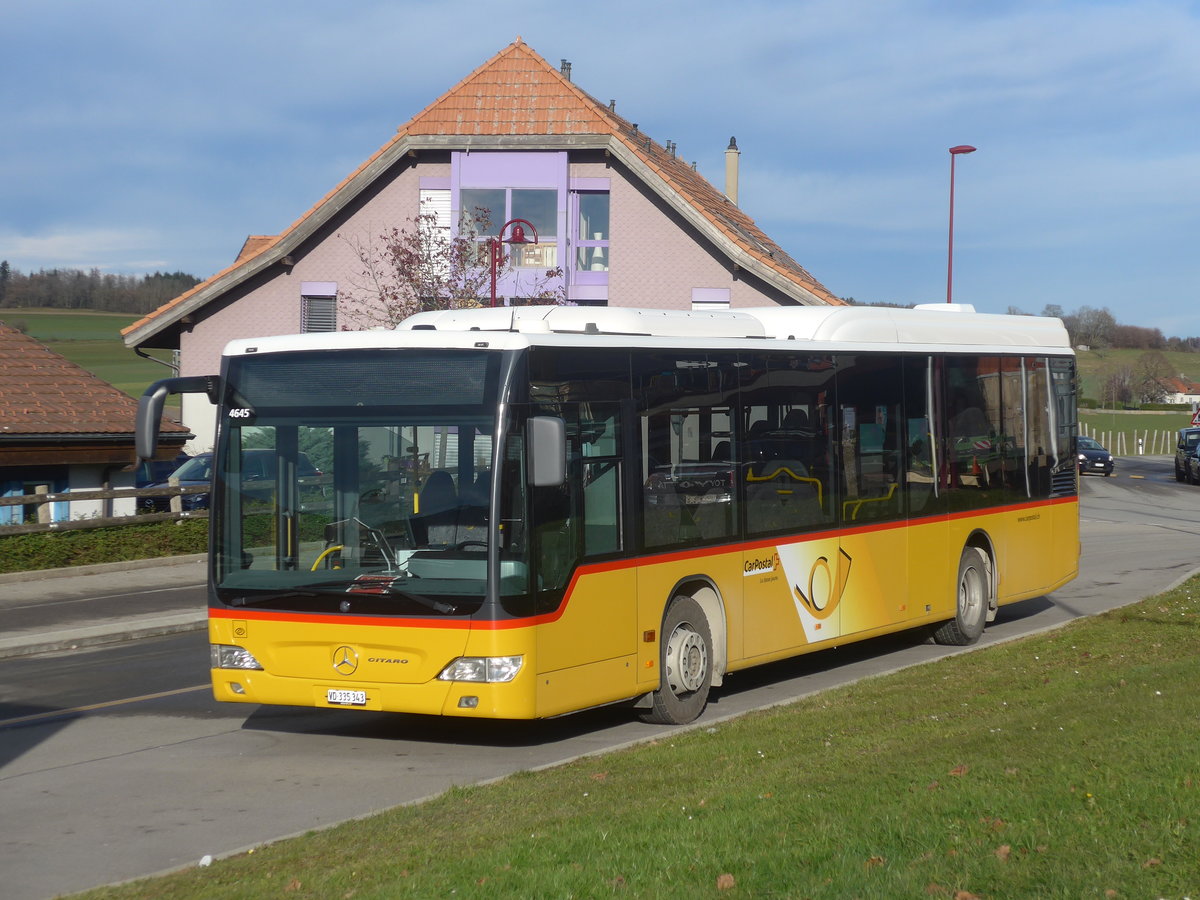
346 698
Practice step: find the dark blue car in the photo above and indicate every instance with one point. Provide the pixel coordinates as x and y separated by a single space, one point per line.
259 466
1093 458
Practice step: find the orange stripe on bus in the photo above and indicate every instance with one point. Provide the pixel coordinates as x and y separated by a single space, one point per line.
614 566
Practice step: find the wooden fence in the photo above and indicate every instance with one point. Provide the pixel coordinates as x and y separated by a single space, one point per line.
1139 442
43 498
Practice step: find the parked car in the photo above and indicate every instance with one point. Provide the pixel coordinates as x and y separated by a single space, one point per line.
1185 446
151 471
258 467
1192 466
1093 458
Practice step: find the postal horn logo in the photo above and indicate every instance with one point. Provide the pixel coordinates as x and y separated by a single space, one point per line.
826 585
345 660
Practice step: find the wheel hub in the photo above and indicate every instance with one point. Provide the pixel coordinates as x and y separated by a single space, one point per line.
686 656
970 593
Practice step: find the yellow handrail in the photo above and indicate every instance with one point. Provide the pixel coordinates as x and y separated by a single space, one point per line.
857 504
325 553
816 482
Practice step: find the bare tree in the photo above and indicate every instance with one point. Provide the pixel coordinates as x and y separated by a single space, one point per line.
1117 387
423 267
1150 370
1093 327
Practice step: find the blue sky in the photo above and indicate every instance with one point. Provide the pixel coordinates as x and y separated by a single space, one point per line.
142 136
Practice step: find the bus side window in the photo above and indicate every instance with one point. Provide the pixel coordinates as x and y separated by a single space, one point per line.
686 421
555 535
1040 415
871 458
975 444
785 452
689 488
920 462
871 439
600 448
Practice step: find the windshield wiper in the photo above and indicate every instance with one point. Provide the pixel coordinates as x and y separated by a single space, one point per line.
341 588
433 603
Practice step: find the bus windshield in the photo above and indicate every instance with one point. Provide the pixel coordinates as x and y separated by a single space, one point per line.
358 482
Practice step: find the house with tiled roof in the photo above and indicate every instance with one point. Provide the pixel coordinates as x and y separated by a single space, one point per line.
1179 389
63 428
627 220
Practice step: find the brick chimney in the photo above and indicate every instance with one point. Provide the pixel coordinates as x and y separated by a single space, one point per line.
731 170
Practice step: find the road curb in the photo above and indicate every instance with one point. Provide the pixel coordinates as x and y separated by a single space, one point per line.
101 568
86 636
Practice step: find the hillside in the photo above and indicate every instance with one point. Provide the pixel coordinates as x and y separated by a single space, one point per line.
1094 364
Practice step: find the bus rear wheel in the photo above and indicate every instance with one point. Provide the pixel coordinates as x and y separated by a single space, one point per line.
685 664
971 606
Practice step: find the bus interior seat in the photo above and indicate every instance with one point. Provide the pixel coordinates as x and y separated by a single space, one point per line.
795 420
478 493
436 522
472 519
438 493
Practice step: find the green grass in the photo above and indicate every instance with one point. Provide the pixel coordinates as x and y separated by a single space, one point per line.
1119 431
69 325
114 363
1061 765
92 340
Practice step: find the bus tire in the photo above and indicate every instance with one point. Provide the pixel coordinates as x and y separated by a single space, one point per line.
973 596
686 663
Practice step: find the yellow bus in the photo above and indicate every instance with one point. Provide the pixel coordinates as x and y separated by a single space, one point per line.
525 512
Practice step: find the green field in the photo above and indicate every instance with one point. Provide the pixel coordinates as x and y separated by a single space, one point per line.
1062 765
1095 364
92 340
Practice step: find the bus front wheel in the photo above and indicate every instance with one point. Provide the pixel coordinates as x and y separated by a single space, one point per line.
685 663
974 597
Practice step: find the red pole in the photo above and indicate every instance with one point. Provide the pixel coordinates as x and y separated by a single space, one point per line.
954 151
950 240
492 244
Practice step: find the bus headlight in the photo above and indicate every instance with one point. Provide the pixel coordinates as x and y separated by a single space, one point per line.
488 669
229 656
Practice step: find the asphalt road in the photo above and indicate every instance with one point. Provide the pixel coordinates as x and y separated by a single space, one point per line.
116 762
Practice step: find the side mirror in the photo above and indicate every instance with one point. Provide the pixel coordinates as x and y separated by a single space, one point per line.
150 407
546 449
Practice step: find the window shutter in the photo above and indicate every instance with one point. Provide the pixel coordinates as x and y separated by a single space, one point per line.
437 201
320 314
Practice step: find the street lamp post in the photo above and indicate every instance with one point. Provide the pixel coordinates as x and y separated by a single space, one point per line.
954 152
496 251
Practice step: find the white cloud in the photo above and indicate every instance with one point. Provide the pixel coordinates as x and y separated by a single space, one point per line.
1083 112
86 248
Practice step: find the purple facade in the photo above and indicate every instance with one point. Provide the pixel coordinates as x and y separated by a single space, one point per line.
617 243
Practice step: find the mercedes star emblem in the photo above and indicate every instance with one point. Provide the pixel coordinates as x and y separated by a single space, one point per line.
345 660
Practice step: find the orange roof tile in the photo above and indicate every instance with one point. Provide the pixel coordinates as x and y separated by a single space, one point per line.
42 393
255 244
518 93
